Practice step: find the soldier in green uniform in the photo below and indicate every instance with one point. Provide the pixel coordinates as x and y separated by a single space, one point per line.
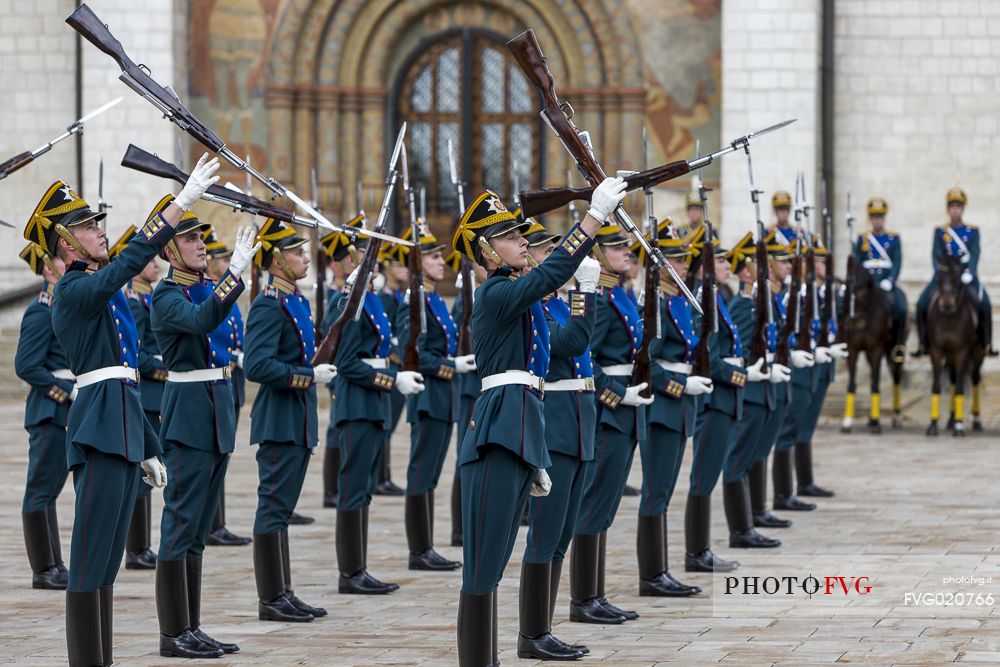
190 319
503 457
218 263
390 285
41 363
107 434
431 413
280 344
880 252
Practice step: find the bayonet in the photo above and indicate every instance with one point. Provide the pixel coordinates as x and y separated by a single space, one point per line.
458 183
417 263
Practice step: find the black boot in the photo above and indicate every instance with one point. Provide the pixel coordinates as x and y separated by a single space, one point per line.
804 472
350 542
331 469
584 607
602 553
418 537
297 519
630 491
742 534
84 641
286 566
757 480
176 638
45 573
220 536
554 576
456 511
534 639
107 599
494 645
194 607
54 538
651 551
386 487
671 580
781 475
922 346
272 603
138 555
475 630
697 531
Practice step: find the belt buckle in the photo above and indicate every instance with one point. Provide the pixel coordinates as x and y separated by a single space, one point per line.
588 384
541 384
134 377
226 373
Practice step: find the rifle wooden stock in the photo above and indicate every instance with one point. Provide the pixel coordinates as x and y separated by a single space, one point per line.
826 314
845 310
783 353
15 163
641 369
326 353
703 352
415 263
320 287
537 202
804 338
465 325
759 338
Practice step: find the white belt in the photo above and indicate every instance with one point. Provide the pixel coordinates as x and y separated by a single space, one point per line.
618 369
769 357
572 384
158 357
200 375
675 366
512 377
64 374
109 373
876 264
380 363
735 361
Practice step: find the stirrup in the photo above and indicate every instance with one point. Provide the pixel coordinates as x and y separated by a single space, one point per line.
898 353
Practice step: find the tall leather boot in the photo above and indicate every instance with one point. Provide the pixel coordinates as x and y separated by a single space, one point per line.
176 638
534 639
418 537
220 535
651 552
272 602
194 606
45 574
331 468
742 534
386 487
350 542
694 590
286 565
554 576
494 645
602 553
762 516
475 630
697 532
584 606
922 345
456 511
804 472
54 538
138 555
781 476
107 601
84 641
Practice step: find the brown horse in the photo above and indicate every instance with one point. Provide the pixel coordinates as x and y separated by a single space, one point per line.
869 331
951 335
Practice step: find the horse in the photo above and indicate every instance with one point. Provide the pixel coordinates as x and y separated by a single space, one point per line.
952 321
869 331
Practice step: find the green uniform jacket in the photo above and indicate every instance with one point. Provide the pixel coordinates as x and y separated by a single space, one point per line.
439 399
38 354
360 391
728 379
614 342
744 315
468 383
671 407
150 361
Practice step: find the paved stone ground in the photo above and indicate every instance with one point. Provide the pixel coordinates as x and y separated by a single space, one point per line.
900 497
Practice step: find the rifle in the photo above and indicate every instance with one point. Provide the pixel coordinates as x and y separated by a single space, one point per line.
848 277
702 365
137 77
641 370
558 115
760 339
320 285
102 205
829 302
468 276
254 269
24 159
804 338
327 349
536 202
783 353
415 263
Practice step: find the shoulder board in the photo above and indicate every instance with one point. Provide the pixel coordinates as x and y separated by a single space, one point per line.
270 291
45 298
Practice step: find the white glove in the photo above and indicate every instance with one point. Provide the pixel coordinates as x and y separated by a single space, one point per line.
802 359
459 282
238 358
156 473
838 350
697 385
966 277
780 373
351 278
823 355
243 250
541 484
378 282
73 393
885 285
323 373
756 374
632 396
587 274
606 198
202 177
465 363
409 382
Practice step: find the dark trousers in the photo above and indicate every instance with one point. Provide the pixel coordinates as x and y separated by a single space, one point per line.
775 418
662 453
806 426
360 443
105 495
47 470
494 490
429 440
190 498
281 471
552 518
466 404
794 415
613 453
745 443
712 441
